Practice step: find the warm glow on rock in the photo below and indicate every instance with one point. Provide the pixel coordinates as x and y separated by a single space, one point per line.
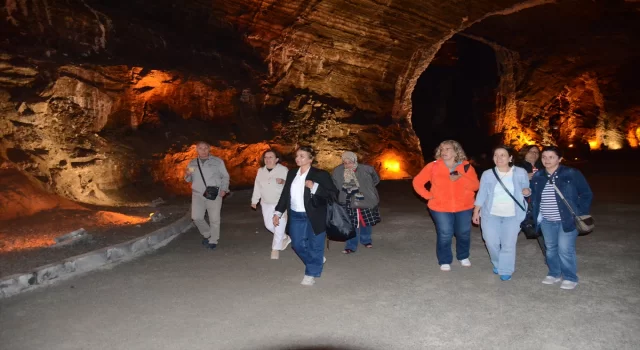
391 165
594 144
633 136
113 218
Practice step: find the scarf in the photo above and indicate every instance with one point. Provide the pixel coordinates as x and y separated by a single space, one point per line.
350 180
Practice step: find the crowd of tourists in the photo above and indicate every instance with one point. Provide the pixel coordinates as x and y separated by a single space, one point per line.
534 186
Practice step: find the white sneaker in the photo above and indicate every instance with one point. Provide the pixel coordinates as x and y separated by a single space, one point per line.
445 267
308 281
275 254
465 262
551 280
568 284
286 242
324 260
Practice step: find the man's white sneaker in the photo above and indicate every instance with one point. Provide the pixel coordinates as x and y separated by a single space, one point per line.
275 254
445 267
568 284
324 260
465 262
551 280
308 281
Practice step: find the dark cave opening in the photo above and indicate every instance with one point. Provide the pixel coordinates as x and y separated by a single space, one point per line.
455 97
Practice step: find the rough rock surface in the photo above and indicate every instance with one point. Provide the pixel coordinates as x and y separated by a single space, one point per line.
98 96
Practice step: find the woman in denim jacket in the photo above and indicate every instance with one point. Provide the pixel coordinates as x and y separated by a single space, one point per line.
555 219
501 215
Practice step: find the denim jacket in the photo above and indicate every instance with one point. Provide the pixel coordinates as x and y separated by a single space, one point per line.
573 186
488 184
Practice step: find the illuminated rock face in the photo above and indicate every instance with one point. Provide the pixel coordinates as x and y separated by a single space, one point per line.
95 100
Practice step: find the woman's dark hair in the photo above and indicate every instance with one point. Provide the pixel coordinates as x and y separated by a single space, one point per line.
506 148
262 163
554 149
524 150
307 149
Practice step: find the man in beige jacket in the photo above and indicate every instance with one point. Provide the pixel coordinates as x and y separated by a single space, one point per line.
215 174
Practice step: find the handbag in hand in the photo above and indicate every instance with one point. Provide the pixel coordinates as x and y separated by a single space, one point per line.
528 225
210 192
584 223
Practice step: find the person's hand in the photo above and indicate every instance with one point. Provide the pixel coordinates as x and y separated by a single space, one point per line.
454 177
254 206
279 181
276 220
309 184
526 192
190 171
222 194
476 217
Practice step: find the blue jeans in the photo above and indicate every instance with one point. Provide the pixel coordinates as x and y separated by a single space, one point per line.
448 225
364 233
561 250
308 245
500 236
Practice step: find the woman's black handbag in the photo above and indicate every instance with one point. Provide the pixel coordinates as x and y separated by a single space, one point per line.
210 192
528 225
339 226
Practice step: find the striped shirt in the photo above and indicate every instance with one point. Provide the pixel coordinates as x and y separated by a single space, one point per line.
549 204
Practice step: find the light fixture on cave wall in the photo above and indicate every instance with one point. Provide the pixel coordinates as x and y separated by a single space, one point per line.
390 167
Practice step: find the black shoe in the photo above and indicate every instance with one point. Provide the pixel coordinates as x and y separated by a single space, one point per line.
205 242
211 246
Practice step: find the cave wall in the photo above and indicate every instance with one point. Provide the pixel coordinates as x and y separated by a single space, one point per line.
97 96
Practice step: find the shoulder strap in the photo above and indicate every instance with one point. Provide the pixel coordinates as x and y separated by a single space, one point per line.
198 161
564 199
506 190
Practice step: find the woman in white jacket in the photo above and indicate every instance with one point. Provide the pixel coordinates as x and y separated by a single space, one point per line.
266 190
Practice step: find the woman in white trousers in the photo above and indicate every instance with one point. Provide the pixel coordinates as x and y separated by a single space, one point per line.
266 190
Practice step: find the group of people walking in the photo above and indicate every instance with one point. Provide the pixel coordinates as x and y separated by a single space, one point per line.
295 202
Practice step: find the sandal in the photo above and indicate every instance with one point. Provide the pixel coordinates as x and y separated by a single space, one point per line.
368 245
348 251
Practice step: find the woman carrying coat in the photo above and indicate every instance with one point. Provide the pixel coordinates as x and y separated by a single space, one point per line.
555 219
357 184
266 190
453 183
501 205
304 197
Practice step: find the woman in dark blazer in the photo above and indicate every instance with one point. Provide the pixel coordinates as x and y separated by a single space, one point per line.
305 195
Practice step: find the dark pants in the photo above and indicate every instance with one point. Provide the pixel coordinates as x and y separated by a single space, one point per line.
448 225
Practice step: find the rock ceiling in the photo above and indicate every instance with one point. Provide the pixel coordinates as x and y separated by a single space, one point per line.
100 95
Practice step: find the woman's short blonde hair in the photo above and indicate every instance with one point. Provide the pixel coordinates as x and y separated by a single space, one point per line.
457 147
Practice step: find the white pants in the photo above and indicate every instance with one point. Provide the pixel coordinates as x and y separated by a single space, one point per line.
279 237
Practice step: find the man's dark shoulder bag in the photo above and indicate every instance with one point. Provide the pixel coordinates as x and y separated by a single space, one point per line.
210 192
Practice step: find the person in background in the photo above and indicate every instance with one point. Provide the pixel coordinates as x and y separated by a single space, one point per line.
530 159
357 180
453 183
266 190
555 219
215 174
502 211
304 197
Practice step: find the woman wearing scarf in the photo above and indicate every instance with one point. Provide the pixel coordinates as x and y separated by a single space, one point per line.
357 184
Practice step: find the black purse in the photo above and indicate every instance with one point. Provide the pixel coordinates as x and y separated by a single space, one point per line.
210 192
528 225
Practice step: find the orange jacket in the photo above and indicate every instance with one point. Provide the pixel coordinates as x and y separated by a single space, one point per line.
446 195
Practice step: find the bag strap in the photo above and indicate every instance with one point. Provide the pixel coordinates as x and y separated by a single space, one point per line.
564 199
198 161
507 190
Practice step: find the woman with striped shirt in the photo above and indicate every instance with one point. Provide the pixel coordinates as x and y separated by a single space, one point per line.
555 219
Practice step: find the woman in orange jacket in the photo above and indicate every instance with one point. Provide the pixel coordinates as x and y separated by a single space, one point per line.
453 184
